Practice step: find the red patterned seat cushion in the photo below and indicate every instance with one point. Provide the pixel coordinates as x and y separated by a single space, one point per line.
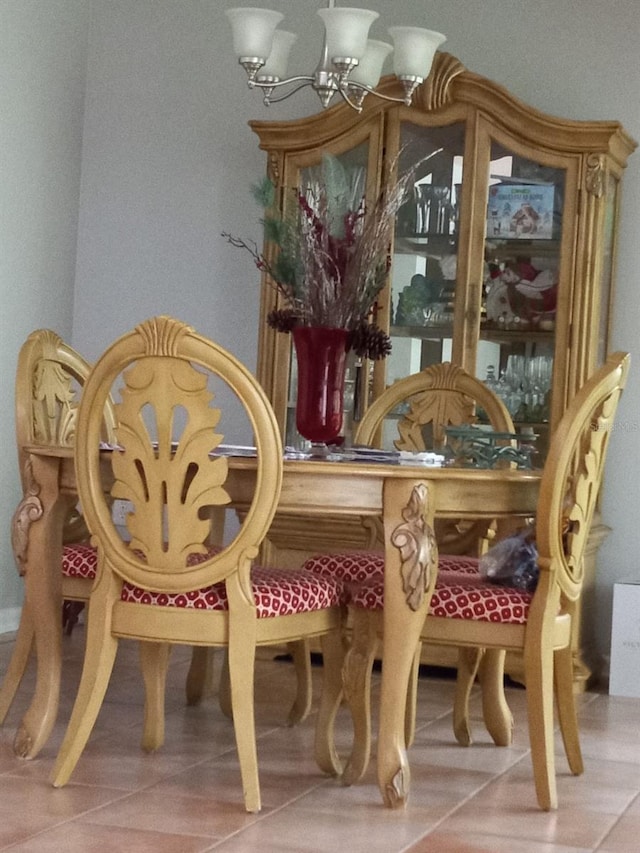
355 567
277 592
457 596
79 561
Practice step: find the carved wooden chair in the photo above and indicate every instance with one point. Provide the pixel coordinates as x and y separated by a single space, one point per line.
164 586
463 611
49 378
441 395
437 397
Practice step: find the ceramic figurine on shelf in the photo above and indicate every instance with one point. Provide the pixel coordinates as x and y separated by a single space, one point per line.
520 294
415 299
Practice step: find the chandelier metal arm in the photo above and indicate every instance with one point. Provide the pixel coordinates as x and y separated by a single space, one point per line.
367 90
351 92
303 79
269 87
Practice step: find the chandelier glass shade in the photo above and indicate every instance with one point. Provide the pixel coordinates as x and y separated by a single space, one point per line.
350 64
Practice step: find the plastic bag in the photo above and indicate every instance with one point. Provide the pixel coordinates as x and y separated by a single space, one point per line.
512 562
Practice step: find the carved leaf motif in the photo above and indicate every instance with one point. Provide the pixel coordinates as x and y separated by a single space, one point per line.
583 485
415 540
164 400
447 408
595 175
440 406
397 789
54 405
28 510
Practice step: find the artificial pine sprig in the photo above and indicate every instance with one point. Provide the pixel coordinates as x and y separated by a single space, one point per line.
333 252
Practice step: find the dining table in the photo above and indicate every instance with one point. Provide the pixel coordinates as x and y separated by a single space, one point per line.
405 496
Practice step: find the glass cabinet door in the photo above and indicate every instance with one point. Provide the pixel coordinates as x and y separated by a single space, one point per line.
501 328
523 231
424 268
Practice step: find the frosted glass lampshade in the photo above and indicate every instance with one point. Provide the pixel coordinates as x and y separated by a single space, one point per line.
346 31
253 31
414 49
276 65
369 69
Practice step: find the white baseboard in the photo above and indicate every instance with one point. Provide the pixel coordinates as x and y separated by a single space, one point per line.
9 619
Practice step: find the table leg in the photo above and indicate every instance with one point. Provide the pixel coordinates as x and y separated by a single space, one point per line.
43 592
410 573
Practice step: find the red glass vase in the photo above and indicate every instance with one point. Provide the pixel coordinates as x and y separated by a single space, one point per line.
321 355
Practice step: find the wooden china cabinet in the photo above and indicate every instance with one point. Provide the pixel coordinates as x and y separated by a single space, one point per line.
503 258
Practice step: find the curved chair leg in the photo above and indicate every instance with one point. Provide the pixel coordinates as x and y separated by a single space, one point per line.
332 661
154 661
304 691
496 712
358 665
412 699
539 679
224 691
18 662
567 715
100 653
200 676
301 706
468 663
241 657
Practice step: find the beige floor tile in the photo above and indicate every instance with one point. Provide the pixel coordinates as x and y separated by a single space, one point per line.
479 842
89 837
187 797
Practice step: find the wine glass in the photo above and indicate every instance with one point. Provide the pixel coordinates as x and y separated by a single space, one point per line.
513 378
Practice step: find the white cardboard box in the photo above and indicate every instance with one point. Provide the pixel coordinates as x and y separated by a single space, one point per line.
624 673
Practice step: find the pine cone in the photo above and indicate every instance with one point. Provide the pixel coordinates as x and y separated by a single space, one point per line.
282 319
369 341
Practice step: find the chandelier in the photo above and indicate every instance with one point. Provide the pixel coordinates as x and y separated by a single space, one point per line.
350 64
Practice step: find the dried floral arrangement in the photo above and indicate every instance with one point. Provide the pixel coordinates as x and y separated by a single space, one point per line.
333 254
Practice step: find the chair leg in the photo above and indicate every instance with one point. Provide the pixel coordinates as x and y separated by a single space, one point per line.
224 692
241 656
332 661
200 676
412 699
301 706
567 714
468 662
304 692
357 690
496 712
18 662
154 661
539 679
99 656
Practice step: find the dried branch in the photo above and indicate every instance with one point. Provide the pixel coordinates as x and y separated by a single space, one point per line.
333 254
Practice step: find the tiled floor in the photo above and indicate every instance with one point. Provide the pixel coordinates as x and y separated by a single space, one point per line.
187 797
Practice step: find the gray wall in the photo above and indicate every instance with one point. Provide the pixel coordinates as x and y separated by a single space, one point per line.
42 83
167 162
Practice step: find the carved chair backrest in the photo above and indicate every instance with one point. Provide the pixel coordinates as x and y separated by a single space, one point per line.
50 376
167 377
571 481
441 395
49 379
